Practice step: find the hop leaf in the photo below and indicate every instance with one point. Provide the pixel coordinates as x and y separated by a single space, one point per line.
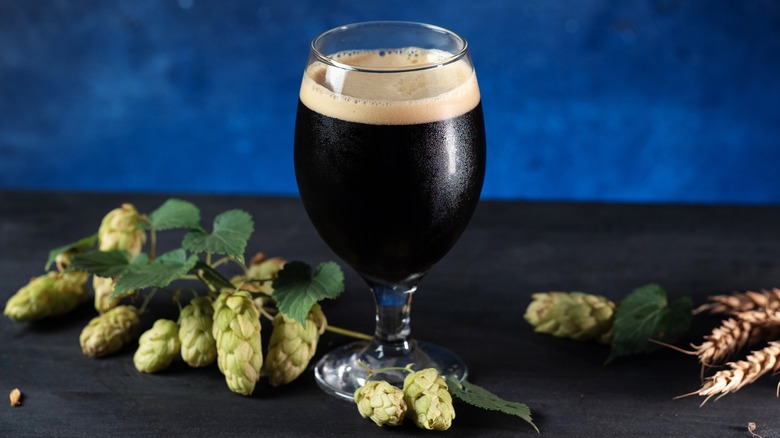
175 213
101 263
78 246
646 314
484 399
297 289
160 273
229 237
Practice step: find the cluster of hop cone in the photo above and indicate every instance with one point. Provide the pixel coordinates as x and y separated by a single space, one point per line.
752 319
222 326
425 398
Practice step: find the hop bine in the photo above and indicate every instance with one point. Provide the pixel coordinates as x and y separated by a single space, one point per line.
292 346
109 332
428 399
573 315
236 330
48 295
157 347
382 402
198 347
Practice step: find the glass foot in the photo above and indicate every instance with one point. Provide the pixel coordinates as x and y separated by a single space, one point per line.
338 372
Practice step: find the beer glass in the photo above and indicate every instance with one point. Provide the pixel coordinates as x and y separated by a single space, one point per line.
389 160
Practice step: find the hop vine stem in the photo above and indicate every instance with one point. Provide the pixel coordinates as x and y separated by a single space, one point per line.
371 372
350 333
152 243
328 328
147 300
220 262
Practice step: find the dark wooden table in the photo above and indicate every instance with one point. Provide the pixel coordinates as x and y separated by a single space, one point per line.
473 302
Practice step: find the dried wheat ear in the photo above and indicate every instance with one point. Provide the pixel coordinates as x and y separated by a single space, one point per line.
754 318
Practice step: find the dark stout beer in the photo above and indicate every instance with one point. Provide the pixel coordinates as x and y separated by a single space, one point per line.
390 184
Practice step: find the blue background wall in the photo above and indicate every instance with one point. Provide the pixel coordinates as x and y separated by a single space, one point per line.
648 101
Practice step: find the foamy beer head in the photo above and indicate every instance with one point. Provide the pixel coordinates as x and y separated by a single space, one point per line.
391 86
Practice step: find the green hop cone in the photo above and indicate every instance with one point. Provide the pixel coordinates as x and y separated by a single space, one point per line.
428 399
236 329
109 332
103 288
382 402
262 268
63 259
292 346
48 295
121 228
573 315
157 347
198 347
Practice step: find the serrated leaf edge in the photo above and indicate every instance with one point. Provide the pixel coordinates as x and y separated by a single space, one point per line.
453 381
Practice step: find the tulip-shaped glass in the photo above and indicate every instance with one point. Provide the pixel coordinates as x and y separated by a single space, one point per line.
389 159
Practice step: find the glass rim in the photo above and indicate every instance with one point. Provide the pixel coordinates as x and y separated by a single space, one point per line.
326 59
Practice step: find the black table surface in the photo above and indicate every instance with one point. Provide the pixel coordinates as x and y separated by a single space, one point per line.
472 301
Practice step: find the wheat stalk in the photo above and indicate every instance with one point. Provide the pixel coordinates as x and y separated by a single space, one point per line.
734 334
740 373
741 302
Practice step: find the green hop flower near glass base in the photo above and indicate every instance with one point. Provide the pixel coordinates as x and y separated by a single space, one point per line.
157 347
48 295
428 400
196 321
573 315
382 402
109 332
121 228
292 346
236 329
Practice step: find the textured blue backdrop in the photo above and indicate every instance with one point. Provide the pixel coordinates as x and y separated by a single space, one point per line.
649 101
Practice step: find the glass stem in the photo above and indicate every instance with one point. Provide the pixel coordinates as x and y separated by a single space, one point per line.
393 304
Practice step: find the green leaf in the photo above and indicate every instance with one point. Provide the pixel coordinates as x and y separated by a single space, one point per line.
484 399
646 314
212 277
297 289
80 245
159 273
101 263
229 237
175 213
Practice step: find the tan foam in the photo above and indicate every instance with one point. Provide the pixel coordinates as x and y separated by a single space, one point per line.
384 98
